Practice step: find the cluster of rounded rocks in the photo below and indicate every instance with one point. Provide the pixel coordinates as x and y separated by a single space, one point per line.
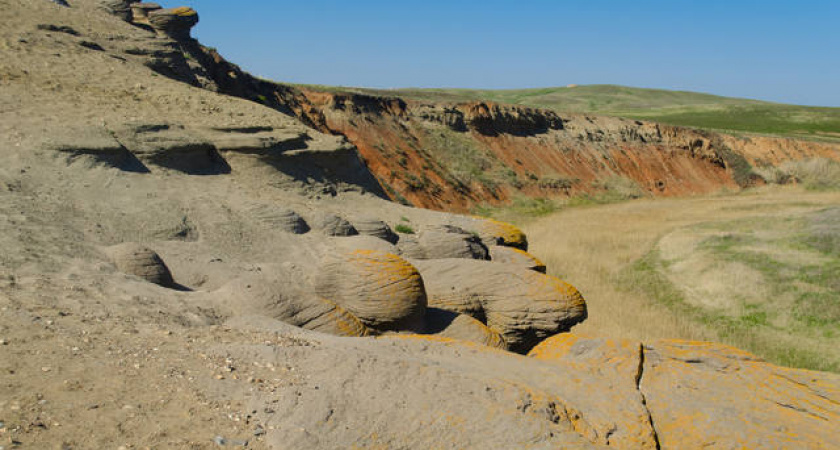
480 286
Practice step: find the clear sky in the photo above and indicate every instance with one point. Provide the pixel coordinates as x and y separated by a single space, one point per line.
784 51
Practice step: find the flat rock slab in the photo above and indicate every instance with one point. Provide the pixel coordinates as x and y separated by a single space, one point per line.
701 394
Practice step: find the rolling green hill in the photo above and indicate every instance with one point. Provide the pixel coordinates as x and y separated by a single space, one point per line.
672 107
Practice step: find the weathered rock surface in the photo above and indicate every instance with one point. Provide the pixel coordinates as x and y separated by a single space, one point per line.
522 305
138 260
515 257
462 327
375 227
334 225
175 22
285 293
119 8
442 242
699 394
492 232
281 218
383 290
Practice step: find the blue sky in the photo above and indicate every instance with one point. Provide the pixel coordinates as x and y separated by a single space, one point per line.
770 50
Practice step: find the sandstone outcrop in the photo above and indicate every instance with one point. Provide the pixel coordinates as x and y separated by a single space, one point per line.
492 232
285 293
383 290
334 225
442 242
522 305
700 394
281 218
513 256
175 22
140 12
448 324
138 260
375 227
119 8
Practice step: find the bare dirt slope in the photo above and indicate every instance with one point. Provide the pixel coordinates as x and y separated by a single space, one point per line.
294 316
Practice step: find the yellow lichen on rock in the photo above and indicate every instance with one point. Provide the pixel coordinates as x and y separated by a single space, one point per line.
382 289
503 233
183 11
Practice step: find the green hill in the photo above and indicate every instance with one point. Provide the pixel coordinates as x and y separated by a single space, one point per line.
673 107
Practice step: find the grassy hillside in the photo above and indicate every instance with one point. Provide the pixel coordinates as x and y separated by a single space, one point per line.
673 107
758 270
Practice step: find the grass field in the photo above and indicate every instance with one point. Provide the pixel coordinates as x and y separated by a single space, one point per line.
672 107
758 270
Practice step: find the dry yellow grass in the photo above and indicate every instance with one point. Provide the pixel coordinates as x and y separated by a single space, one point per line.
590 246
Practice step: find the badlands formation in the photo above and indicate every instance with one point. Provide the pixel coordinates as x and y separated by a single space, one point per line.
185 267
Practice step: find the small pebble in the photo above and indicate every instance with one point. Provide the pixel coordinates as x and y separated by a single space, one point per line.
4 342
45 369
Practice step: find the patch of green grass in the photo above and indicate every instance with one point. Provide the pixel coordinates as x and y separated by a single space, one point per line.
521 208
403 228
800 275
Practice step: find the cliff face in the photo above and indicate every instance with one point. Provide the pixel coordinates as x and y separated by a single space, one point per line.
453 156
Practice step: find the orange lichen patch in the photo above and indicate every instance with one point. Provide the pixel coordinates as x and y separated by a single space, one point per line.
344 323
555 347
702 394
690 350
383 290
183 11
388 266
569 293
536 261
503 232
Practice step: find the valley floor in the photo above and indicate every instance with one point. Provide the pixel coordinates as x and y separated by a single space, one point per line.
757 270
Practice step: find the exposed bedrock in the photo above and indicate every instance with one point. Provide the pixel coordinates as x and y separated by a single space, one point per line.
136 259
523 306
383 290
683 394
442 242
173 22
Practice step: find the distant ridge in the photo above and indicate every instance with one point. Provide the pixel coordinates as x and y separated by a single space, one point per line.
683 108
